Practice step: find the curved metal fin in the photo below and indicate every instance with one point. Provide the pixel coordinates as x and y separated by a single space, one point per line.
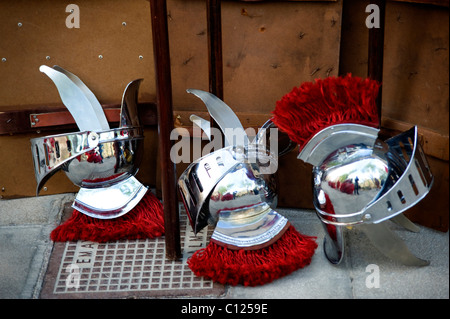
391 245
202 123
403 221
129 113
282 145
224 116
74 99
95 104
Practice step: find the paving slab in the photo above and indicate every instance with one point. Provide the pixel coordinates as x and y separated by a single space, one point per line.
25 245
354 277
31 266
320 279
397 281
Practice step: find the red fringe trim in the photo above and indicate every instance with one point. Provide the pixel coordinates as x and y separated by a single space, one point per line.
254 267
146 220
313 106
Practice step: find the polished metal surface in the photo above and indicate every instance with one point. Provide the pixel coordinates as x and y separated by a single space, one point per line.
198 181
203 124
391 245
234 188
281 144
404 222
107 163
224 116
75 99
365 185
334 243
350 178
110 202
410 178
225 190
129 116
251 227
89 159
242 186
95 104
100 160
334 137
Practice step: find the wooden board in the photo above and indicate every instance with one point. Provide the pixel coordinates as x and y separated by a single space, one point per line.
35 33
268 48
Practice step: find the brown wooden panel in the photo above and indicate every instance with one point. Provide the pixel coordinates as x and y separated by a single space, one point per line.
433 211
442 3
268 48
416 69
38 120
31 31
47 118
415 85
415 75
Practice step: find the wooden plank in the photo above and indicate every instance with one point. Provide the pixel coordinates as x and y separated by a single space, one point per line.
18 122
376 52
110 49
63 118
57 117
215 60
215 65
441 3
284 0
268 48
161 55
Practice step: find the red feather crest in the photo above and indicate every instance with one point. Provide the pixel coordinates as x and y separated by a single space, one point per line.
313 106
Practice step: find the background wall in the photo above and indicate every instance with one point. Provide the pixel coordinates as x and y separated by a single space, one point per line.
268 48
415 85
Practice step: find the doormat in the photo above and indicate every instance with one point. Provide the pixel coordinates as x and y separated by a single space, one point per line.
127 269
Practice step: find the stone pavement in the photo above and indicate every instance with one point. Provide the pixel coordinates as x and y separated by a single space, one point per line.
26 250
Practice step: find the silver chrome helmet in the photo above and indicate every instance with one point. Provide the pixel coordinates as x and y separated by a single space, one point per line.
230 188
100 160
228 191
361 180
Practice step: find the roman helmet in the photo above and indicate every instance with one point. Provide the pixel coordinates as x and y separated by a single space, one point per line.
234 188
101 160
358 179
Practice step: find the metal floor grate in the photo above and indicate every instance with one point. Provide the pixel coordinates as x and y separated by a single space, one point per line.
129 266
